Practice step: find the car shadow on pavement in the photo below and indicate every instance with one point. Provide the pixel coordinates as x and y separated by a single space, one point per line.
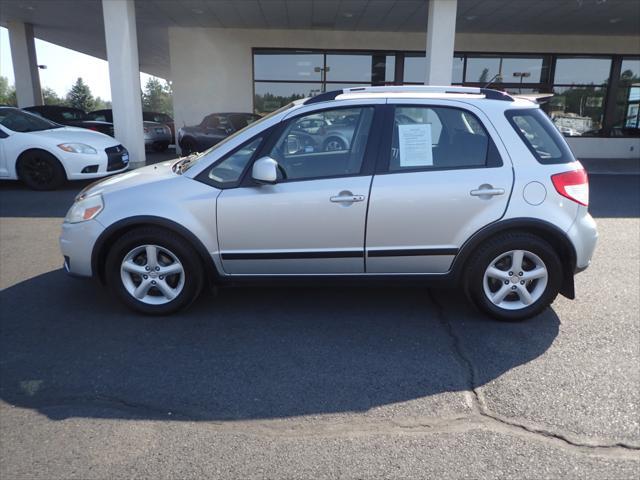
67 349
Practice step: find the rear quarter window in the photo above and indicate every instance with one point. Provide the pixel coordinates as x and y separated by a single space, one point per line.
540 136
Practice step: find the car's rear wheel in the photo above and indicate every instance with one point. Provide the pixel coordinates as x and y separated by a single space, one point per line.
39 170
154 271
514 276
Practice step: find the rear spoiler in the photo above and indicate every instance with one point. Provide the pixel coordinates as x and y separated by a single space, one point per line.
539 98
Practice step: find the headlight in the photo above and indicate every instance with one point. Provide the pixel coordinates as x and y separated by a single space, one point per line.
85 209
77 148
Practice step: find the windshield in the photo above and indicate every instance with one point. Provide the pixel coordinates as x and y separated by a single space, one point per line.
204 155
19 121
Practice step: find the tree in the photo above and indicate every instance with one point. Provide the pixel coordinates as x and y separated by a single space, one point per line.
80 96
50 97
156 97
7 93
101 104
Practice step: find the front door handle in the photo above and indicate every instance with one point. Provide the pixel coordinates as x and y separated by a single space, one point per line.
486 191
347 197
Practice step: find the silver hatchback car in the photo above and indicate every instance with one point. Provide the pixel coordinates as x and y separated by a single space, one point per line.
452 186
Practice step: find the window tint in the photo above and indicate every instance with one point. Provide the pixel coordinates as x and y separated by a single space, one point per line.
101 117
20 121
72 114
435 137
540 135
241 120
324 144
228 171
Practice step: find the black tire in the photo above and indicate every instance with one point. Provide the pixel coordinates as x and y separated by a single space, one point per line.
39 170
492 249
188 146
166 239
330 143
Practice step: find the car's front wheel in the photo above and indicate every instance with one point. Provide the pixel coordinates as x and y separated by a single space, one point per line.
39 170
154 271
514 276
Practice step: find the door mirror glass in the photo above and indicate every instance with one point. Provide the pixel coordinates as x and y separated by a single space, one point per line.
265 170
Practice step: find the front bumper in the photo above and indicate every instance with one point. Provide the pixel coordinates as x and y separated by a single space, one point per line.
87 166
76 244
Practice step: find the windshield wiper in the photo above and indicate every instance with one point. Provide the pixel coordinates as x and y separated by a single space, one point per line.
183 163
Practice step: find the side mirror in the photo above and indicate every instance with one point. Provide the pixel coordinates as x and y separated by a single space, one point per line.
265 171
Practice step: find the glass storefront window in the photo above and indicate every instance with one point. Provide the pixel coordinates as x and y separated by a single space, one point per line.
349 67
630 71
626 121
458 70
278 65
482 69
582 71
415 68
270 96
578 111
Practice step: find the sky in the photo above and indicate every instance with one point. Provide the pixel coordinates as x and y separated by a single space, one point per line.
64 66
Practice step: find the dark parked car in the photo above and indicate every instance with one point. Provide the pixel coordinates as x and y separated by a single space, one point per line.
212 129
161 118
156 135
73 117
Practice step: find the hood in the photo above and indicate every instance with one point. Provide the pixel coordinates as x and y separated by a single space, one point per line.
94 139
133 178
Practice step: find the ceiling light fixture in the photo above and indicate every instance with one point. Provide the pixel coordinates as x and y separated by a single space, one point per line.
615 20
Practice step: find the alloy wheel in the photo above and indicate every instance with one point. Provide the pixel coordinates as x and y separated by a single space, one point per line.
152 274
515 279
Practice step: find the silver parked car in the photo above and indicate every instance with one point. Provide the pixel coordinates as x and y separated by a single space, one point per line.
157 136
436 185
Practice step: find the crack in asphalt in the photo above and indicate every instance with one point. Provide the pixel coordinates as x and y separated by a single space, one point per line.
480 408
481 417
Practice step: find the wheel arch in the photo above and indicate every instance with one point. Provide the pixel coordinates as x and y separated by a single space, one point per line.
545 230
114 231
38 149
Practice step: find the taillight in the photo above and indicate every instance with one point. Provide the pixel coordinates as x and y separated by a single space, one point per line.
574 185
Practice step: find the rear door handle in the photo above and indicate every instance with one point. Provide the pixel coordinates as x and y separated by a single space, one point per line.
347 197
486 191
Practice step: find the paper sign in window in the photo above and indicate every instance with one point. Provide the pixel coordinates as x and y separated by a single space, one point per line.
414 142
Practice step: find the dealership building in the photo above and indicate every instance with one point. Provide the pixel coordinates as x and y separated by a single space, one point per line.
256 55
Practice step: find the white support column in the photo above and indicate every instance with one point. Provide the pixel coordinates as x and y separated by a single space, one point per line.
124 75
441 33
25 64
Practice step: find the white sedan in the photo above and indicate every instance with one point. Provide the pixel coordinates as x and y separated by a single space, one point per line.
44 154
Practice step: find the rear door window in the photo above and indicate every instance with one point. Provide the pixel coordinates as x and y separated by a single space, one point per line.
540 136
426 138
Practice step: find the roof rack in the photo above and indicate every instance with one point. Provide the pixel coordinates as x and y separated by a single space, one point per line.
487 92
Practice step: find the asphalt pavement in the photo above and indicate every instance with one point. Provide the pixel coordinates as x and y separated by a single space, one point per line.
316 382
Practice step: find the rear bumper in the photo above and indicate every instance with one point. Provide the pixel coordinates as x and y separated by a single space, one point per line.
584 236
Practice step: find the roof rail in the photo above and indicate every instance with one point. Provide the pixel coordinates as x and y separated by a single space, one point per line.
487 92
